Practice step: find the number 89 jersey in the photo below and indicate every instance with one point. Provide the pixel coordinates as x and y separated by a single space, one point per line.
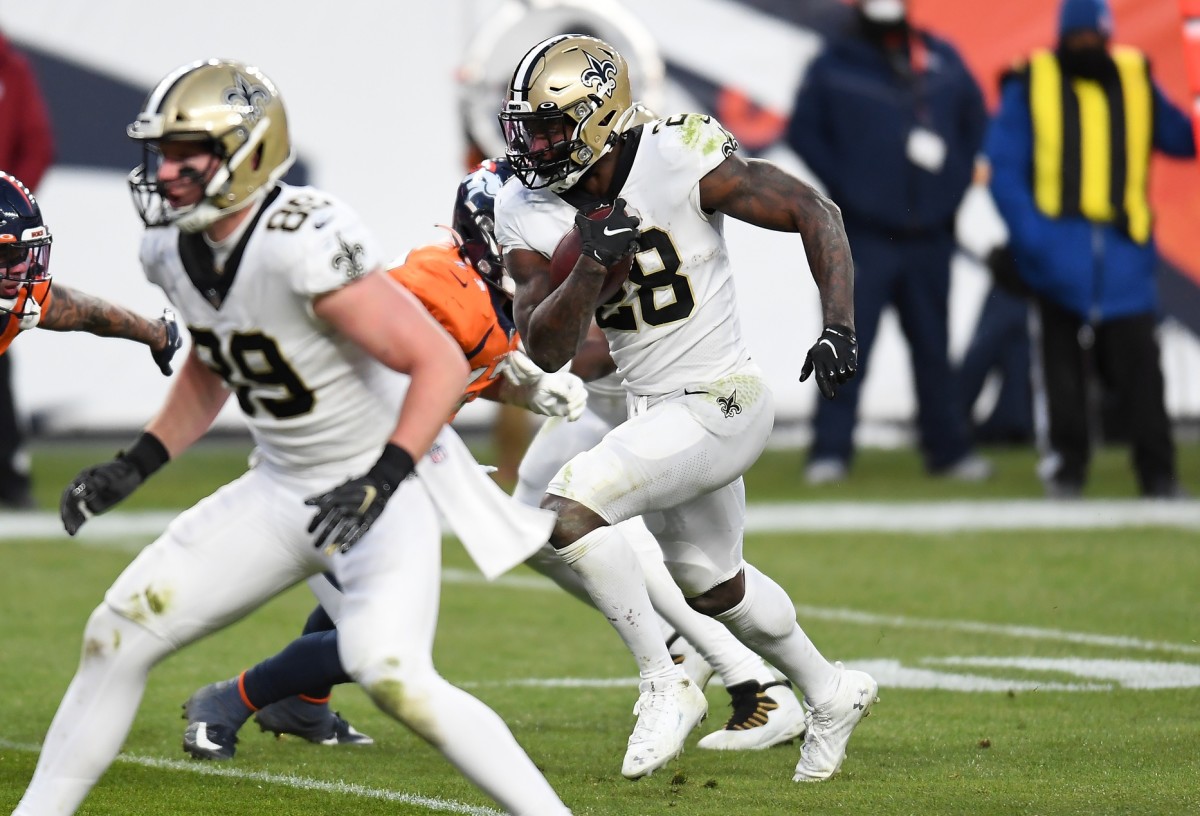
310 396
675 322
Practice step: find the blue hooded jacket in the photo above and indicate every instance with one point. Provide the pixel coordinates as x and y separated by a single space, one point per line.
1094 270
852 120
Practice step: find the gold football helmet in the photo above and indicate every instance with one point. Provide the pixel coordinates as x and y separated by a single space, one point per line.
567 103
235 110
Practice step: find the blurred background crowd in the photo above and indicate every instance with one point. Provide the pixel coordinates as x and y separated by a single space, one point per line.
1017 182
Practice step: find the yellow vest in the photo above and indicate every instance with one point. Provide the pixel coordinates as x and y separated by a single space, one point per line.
1076 171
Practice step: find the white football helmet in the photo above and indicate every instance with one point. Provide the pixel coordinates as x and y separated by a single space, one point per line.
568 102
233 108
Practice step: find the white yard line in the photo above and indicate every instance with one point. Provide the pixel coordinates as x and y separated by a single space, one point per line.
524 582
813 517
289 781
130 530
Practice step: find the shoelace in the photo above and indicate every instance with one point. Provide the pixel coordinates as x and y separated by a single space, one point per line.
651 706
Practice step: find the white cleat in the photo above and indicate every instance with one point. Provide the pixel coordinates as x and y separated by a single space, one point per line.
668 710
763 716
831 724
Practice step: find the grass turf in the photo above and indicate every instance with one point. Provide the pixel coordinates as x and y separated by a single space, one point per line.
920 600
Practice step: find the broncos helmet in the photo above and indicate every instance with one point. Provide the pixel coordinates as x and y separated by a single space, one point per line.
568 101
475 219
24 246
233 109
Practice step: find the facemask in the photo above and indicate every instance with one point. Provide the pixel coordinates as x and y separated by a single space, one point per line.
883 11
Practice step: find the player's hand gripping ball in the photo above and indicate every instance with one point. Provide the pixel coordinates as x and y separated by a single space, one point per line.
607 234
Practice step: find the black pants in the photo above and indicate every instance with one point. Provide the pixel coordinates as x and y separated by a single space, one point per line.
1124 358
1000 345
14 480
911 274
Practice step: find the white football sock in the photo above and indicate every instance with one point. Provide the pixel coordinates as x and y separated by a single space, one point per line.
765 620
613 577
725 653
548 562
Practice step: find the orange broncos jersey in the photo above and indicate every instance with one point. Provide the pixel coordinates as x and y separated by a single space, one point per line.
10 326
468 308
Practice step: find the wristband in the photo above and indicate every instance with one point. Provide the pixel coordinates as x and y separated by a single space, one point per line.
394 466
146 455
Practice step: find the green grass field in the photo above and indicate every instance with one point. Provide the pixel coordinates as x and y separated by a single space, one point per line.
1022 671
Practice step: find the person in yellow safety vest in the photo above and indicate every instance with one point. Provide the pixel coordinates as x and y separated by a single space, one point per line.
1070 150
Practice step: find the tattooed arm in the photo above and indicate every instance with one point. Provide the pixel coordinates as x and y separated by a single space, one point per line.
760 193
72 310
553 322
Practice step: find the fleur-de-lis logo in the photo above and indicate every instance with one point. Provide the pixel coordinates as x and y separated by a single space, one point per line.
349 259
250 97
729 405
601 75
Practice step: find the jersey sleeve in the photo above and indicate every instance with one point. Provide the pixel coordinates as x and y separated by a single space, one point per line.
335 248
535 220
509 221
150 253
692 144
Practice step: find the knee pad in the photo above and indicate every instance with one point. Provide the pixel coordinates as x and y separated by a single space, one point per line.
108 634
398 687
693 570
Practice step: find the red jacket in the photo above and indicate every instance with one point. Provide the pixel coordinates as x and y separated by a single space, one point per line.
26 141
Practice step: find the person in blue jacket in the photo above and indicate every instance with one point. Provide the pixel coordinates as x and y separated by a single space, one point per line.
1070 150
891 122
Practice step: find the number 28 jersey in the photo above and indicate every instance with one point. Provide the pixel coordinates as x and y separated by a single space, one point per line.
675 321
310 396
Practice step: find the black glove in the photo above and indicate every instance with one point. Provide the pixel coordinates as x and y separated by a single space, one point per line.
349 510
174 341
99 487
609 238
834 357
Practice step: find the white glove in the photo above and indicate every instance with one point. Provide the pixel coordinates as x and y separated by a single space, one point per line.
549 393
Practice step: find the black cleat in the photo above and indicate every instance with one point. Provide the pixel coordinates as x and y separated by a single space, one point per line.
314 722
214 714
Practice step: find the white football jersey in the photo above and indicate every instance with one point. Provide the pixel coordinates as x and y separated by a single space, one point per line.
676 323
310 396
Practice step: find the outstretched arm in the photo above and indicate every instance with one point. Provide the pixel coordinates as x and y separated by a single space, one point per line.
72 310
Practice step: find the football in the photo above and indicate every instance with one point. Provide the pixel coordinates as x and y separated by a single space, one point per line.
567 253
